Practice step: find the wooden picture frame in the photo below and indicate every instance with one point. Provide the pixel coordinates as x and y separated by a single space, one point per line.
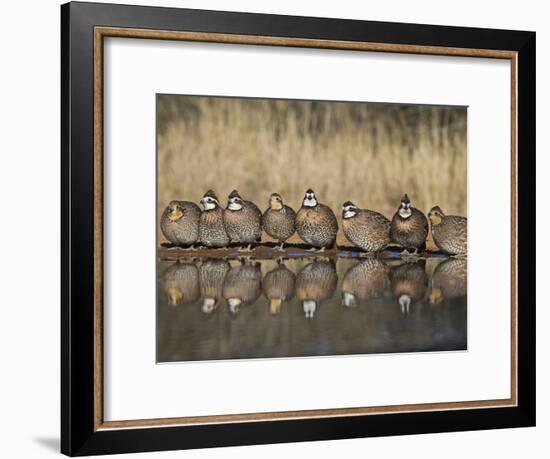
84 27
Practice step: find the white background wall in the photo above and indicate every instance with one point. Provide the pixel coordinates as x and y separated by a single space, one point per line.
29 227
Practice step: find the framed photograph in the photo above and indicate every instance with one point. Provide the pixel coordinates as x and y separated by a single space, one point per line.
281 229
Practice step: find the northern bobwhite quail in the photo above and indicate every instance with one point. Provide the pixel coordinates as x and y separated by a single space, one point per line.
279 220
409 226
242 220
180 222
212 229
450 232
316 223
366 229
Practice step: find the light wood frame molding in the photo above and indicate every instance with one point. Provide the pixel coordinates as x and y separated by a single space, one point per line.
100 33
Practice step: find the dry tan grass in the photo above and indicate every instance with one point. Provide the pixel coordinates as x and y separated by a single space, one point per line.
367 153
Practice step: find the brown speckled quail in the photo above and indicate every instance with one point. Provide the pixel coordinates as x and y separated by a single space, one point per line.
181 283
180 222
242 285
365 228
409 226
365 280
279 220
409 283
242 220
450 280
450 232
316 223
278 287
211 229
212 273
315 282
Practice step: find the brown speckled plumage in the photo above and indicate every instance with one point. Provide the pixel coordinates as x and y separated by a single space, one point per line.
450 232
279 223
410 232
450 280
181 283
243 225
317 225
211 229
366 229
184 230
365 280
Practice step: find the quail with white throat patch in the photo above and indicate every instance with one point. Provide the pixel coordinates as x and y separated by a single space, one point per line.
242 220
450 232
316 223
180 223
211 229
279 220
366 229
409 227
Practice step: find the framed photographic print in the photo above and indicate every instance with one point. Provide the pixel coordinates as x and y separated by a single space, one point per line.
283 229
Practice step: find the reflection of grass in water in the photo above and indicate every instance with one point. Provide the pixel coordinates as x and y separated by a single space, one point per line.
367 153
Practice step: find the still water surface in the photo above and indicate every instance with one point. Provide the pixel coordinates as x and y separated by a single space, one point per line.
212 309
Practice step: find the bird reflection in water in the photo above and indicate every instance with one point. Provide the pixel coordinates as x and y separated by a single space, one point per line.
315 282
278 287
364 281
212 275
449 280
242 285
181 284
211 309
409 283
